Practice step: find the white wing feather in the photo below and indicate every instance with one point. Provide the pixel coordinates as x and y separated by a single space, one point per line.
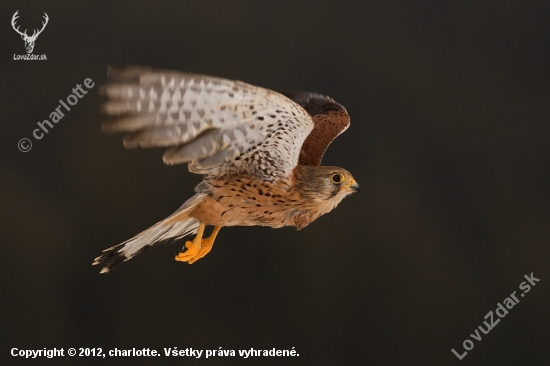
218 126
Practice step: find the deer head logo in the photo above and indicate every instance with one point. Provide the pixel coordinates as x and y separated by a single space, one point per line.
29 41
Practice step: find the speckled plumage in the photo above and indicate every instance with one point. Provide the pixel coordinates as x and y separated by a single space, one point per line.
259 151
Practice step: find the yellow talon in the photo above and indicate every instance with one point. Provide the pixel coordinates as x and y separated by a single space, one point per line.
191 251
199 247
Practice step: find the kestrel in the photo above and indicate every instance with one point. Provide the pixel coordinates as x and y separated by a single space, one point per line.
259 151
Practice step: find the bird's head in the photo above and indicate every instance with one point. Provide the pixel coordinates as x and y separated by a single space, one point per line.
329 183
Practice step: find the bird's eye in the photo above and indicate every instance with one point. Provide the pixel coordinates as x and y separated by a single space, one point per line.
337 178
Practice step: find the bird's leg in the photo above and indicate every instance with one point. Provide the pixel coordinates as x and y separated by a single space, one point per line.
206 245
192 246
199 247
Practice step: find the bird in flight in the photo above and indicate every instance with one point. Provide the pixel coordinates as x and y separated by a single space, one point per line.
259 152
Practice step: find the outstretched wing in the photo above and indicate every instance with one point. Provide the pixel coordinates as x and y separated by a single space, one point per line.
218 126
330 119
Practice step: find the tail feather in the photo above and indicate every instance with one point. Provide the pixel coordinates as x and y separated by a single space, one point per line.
161 232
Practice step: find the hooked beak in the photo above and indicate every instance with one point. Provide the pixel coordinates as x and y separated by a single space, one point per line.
353 186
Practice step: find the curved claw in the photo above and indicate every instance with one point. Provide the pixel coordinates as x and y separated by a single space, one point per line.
197 248
193 248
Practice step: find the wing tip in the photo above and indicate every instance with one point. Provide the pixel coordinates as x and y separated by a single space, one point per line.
315 103
126 73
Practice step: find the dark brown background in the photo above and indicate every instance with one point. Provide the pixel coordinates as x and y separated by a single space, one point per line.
449 139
